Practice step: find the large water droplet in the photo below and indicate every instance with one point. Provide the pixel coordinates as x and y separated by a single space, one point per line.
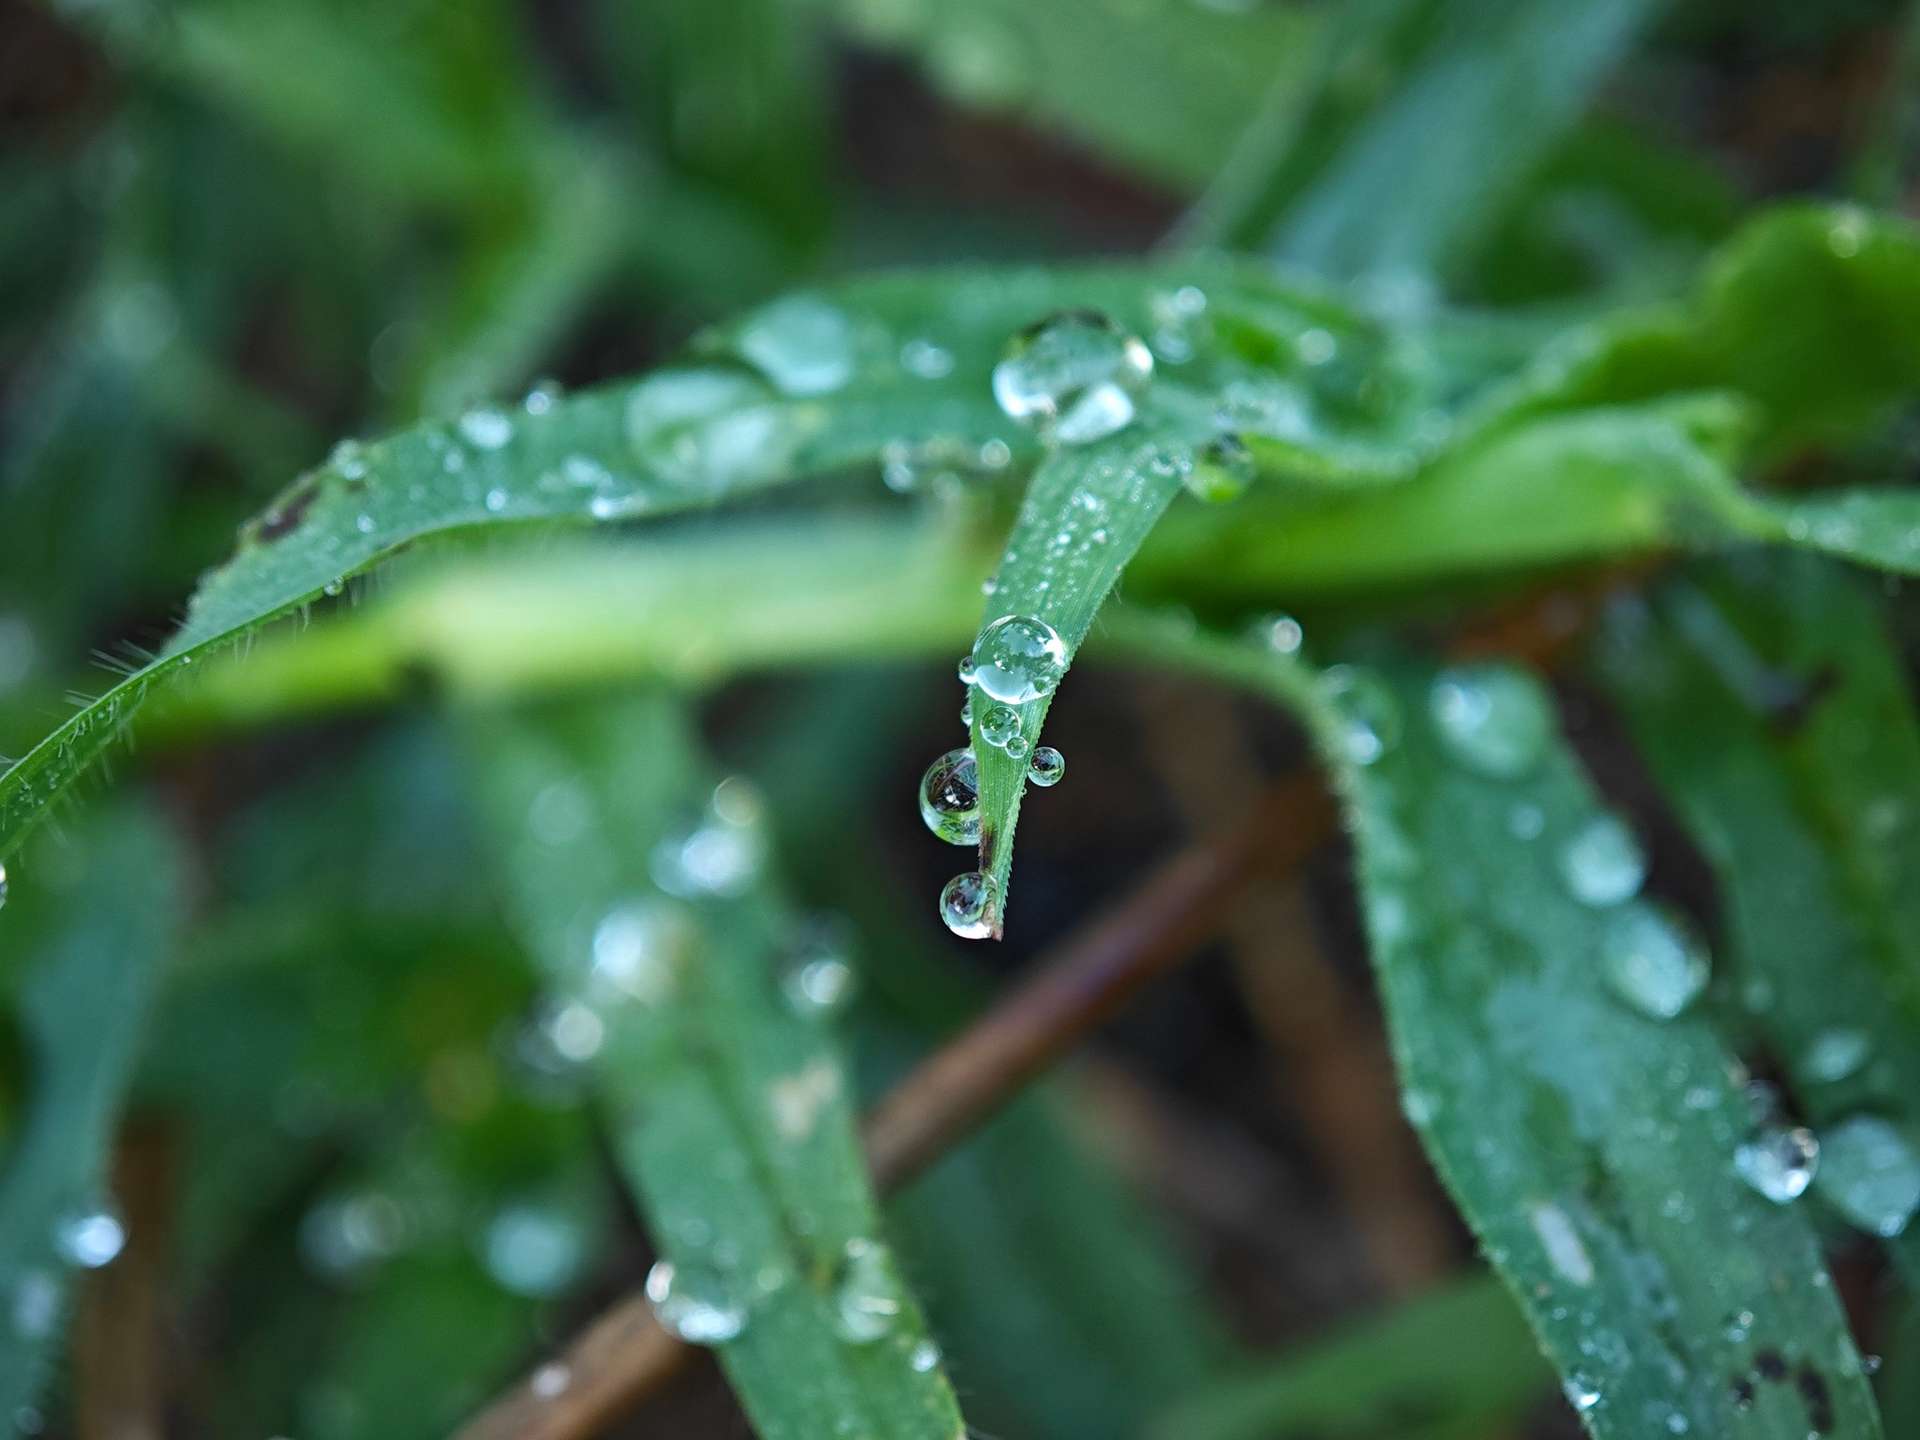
1047 766
867 1301
1369 715
1492 719
90 1238
1602 863
1074 377
950 798
817 975
803 344
1652 960
1835 1054
966 904
1870 1173
1016 659
1778 1161
696 1303
1222 470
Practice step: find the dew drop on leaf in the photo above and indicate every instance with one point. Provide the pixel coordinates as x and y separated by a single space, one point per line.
803 344
1000 726
950 798
1075 377
1222 470
1369 715
965 905
1870 1173
1835 1054
1492 719
533 1250
1602 863
90 1237
1652 960
1046 767
817 977
1016 659
3 884
866 1294
1778 1161
485 429
695 1303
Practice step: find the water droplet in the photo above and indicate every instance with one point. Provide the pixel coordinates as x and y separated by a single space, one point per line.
1835 1054
1316 347
1602 863
90 1238
1581 1393
695 1303
575 1031
639 950
345 1234
1179 322
1652 960
925 359
867 1300
1016 659
1778 1161
1222 470
1493 719
1074 377
1870 1173
720 855
924 1357
1047 767
349 458
533 1250
551 1380
950 798
34 1306
544 395
706 428
334 587
3 884
1369 715
966 904
1000 726
817 976
485 429
803 344
1282 634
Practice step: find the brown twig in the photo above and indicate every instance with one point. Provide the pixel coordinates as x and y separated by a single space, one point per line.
623 1356
118 1370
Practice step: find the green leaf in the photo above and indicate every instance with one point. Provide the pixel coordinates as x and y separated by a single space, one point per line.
734 1121
1759 695
1454 1364
1589 1145
87 938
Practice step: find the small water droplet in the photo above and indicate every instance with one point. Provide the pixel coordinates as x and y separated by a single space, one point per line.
867 1300
924 1357
802 343
817 976
3 884
575 1031
966 904
34 1306
90 1238
486 429
1369 715
1000 726
1836 1053
551 1380
365 523
1493 719
950 798
1870 1173
695 1303
1281 634
721 854
1581 1393
639 950
1222 470
1652 960
1602 863
349 458
1179 322
1016 659
496 500
544 395
1778 1161
334 587
1316 346
1075 377
923 358
533 1250
1046 767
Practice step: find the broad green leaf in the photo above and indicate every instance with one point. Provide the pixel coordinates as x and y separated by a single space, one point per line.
87 937
643 896
1455 1364
1589 1144
1722 681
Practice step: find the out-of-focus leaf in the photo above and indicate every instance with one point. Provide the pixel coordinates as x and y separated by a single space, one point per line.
1722 681
645 900
1456 1364
86 938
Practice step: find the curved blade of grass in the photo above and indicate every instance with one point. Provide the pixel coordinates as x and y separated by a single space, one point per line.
1455 1364
1589 1146
735 1123
87 949
1722 682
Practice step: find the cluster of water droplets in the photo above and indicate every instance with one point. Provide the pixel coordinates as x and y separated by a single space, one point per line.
704 1301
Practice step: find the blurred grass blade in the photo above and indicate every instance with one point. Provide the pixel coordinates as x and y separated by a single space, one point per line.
642 891
1759 696
1588 1143
1455 1364
87 939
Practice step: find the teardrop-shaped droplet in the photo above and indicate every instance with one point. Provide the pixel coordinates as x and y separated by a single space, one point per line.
1016 659
1493 719
695 1303
1778 1161
1222 470
966 904
1652 960
1870 1173
950 798
867 1297
1075 377
1047 766
1602 863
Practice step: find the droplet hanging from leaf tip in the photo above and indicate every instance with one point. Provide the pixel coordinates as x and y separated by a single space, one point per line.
966 904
